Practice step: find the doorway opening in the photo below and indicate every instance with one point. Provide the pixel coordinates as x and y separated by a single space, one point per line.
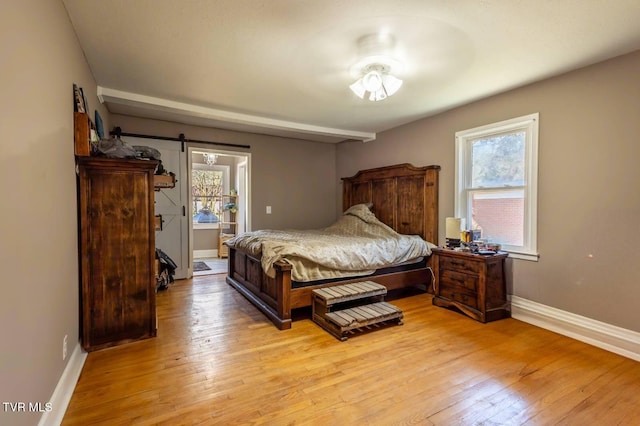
218 205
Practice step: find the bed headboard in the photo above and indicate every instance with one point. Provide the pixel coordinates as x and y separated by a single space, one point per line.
404 197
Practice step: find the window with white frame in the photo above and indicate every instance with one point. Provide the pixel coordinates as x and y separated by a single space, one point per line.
496 183
208 184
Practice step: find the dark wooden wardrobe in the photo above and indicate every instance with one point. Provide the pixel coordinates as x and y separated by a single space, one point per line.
117 251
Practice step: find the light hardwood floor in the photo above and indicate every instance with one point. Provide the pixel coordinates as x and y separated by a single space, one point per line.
217 360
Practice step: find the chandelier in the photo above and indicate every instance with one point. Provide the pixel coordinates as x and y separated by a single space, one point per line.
210 159
375 70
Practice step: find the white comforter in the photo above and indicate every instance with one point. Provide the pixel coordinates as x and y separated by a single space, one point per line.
357 244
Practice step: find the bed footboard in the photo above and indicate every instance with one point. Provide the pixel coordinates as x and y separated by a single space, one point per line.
271 295
276 298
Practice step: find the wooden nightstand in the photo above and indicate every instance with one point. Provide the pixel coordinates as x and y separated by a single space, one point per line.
472 283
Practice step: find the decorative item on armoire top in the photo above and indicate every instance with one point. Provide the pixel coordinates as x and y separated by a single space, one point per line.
143 151
115 147
78 99
99 125
84 100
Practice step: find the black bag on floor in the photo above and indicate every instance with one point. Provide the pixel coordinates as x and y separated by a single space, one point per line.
166 271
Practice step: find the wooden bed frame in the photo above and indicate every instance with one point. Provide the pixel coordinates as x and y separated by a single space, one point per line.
404 197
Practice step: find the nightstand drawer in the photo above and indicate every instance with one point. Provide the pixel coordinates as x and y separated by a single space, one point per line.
460 265
458 293
465 282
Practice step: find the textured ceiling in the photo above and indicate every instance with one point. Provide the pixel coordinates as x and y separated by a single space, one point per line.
283 66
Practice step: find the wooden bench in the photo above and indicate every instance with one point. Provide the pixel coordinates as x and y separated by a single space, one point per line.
344 308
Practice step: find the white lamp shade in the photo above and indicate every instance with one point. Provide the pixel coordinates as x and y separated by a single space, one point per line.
391 84
453 227
379 95
372 81
358 88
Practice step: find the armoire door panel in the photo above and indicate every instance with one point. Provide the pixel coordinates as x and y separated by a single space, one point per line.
117 251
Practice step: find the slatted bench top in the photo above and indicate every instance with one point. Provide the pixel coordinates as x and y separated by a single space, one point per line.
348 292
360 316
365 307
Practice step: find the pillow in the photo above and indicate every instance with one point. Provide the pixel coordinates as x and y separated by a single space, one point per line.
361 206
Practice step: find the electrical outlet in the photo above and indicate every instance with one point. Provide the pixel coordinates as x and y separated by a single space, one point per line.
64 347
268 209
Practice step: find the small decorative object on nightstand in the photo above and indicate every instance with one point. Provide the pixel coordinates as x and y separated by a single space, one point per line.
472 283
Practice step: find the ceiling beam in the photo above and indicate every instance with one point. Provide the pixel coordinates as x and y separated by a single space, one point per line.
217 117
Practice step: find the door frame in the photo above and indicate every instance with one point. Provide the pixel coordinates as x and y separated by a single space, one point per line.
242 181
246 198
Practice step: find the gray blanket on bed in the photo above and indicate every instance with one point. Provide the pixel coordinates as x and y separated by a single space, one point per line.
357 244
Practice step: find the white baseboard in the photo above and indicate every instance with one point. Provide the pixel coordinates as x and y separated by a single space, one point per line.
205 254
606 336
64 389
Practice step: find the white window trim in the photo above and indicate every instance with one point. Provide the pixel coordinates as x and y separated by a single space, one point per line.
206 225
529 124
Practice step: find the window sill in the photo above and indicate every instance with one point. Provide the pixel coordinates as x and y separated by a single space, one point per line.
533 257
206 226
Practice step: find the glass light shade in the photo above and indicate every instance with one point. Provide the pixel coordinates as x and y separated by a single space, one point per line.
378 95
391 84
358 88
372 81
380 85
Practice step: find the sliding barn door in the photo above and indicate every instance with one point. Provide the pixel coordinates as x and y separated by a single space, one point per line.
171 203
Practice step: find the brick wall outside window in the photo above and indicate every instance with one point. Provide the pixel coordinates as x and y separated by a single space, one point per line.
500 219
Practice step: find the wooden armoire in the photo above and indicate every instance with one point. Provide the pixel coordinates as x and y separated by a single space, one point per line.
117 251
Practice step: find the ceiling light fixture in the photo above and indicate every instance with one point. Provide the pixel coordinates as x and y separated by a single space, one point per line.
375 68
378 82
